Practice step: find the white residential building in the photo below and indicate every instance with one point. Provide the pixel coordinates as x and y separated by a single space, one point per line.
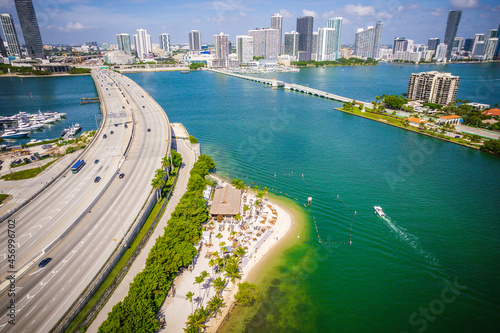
143 44
244 48
326 44
165 43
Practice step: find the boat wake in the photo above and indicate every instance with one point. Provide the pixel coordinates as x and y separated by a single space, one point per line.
410 239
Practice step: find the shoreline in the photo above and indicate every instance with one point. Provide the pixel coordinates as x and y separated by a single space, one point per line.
51 75
147 70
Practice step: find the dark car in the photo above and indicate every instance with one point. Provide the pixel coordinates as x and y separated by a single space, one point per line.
96 161
116 125
457 136
44 262
143 107
126 125
123 107
111 132
97 179
149 129
121 175
104 136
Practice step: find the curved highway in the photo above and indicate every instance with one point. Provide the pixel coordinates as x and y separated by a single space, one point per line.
77 221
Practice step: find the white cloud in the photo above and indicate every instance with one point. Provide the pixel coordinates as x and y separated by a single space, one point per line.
414 6
328 15
464 3
359 10
385 15
286 14
400 8
438 12
71 26
306 12
6 4
242 14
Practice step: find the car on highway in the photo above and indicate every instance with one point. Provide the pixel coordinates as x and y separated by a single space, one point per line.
111 132
96 161
149 129
44 262
121 175
457 136
143 107
97 179
104 136
116 125
123 106
126 126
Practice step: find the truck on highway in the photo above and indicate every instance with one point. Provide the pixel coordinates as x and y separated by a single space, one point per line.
77 166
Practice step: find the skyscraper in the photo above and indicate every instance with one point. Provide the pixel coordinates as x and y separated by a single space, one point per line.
496 56
433 43
367 41
458 44
143 46
336 24
265 42
292 43
441 52
9 30
489 49
479 38
314 54
3 51
434 87
165 42
326 39
244 48
29 26
123 41
277 23
492 33
222 51
305 30
194 40
399 44
451 30
468 44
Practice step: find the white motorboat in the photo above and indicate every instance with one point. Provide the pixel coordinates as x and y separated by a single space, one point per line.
379 211
11 134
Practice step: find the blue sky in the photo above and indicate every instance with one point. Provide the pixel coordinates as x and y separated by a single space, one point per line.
78 21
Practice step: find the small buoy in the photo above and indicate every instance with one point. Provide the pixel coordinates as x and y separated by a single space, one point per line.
309 200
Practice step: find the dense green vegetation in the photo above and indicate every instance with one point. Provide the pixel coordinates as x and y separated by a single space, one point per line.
4 68
394 101
192 139
339 62
196 65
238 184
173 250
492 146
3 197
75 70
247 294
470 116
26 174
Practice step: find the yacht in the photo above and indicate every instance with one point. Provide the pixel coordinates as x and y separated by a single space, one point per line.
11 134
379 211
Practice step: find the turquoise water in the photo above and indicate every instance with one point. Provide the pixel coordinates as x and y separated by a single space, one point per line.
60 94
442 198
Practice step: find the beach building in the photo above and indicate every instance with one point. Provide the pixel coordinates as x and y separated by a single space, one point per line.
226 202
452 119
416 121
492 112
434 87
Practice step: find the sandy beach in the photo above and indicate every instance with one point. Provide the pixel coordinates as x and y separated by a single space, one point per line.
260 232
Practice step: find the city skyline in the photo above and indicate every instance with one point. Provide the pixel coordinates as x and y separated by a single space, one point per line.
78 22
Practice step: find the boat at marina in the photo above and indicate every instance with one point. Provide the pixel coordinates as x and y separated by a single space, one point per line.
70 132
379 211
12 134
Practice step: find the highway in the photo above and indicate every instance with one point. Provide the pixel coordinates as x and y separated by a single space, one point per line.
78 222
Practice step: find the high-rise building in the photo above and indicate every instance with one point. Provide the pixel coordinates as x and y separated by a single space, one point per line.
165 42
29 26
451 30
305 30
143 46
336 24
479 49
433 43
399 44
124 44
458 43
3 51
9 30
222 50
265 42
441 52
194 40
492 33
489 49
478 39
433 87
497 51
292 43
326 39
314 54
468 44
244 48
367 41
277 23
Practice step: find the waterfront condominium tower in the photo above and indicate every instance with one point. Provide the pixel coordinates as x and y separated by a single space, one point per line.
244 48
123 41
9 31
194 40
29 26
3 51
277 23
433 87
336 24
325 48
165 42
292 43
399 44
265 42
222 50
367 41
305 30
451 30
142 43
496 56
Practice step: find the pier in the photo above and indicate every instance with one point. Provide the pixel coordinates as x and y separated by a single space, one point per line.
294 87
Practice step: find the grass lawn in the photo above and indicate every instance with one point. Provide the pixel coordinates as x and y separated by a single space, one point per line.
26 174
3 197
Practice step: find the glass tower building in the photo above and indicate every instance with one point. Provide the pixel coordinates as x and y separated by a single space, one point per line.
29 26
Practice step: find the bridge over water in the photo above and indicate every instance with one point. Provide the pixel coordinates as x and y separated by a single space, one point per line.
294 87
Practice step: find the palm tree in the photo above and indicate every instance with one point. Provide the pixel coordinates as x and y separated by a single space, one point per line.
189 296
240 252
215 304
237 217
165 162
199 280
196 320
219 284
219 236
212 263
160 173
157 184
233 272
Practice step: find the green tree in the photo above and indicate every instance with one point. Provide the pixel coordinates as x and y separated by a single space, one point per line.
247 294
189 296
157 184
219 284
165 162
238 184
176 158
196 320
394 101
215 304
232 271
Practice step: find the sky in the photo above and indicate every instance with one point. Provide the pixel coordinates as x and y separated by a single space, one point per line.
79 21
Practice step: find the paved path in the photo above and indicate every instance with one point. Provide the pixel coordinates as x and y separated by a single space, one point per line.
188 159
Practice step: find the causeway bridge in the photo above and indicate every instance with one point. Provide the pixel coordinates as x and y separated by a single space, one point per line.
293 87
